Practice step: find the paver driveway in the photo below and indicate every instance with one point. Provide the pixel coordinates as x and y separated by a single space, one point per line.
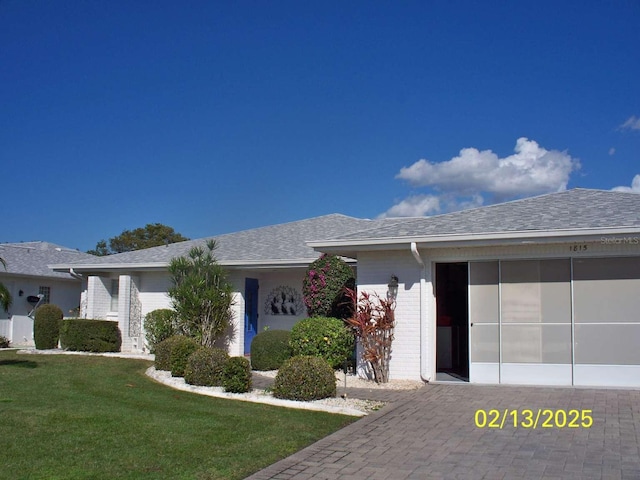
431 433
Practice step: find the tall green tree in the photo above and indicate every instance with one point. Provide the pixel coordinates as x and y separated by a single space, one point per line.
201 295
151 235
5 296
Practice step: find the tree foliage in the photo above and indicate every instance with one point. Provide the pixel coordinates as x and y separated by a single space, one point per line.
151 235
201 295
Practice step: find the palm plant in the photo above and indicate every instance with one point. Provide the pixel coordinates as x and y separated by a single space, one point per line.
5 296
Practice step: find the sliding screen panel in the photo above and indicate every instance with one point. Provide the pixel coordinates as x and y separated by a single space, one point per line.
536 311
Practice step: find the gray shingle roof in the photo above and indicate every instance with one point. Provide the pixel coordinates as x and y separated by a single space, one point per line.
574 209
32 258
276 244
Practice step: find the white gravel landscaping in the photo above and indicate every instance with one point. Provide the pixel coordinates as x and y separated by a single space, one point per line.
353 381
342 406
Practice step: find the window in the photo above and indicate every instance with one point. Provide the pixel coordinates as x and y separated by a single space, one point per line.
46 291
115 288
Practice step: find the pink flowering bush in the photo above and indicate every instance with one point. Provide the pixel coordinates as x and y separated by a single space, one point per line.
323 287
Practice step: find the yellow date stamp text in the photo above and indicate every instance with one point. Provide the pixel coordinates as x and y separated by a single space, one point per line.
533 418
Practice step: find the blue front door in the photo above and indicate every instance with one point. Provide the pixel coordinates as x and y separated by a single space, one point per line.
250 312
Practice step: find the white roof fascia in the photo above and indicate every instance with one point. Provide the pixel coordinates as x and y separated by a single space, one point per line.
233 264
65 267
477 239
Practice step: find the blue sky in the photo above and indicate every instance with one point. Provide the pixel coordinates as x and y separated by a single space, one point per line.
213 117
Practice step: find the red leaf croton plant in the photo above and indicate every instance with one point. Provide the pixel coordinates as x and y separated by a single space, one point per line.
374 322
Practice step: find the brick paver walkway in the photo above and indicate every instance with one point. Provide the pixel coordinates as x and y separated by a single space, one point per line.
431 434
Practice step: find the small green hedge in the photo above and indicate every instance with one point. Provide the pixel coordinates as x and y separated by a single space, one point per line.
205 367
237 375
324 337
46 326
159 325
85 335
269 349
180 351
163 353
305 378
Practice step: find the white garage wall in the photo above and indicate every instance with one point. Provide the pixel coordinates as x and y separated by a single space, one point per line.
374 272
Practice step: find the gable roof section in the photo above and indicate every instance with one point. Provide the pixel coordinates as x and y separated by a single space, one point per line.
32 259
270 246
569 213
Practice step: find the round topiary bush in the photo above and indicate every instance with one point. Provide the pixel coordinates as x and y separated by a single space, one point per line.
46 326
237 375
180 351
4 342
305 378
163 352
159 325
324 337
269 349
205 367
323 287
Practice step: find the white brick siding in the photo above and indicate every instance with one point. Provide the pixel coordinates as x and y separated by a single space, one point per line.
153 288
98 297
374 272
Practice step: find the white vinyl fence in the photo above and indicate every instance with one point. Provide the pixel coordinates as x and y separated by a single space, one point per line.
19 330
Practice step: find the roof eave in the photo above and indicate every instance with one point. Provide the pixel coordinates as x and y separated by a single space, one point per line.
230 264
472 239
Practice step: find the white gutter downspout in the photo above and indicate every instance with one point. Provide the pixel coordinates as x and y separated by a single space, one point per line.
424 375
74 274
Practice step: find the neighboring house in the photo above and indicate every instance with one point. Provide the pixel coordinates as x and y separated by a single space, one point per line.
28 276
543 290
266 267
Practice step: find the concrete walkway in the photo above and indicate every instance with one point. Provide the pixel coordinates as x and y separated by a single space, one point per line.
431 433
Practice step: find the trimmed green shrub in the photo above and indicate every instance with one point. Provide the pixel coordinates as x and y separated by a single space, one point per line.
205 367
323 287
324 337
163 353
237 375
269 349
159 325
305 378
85 335
180 351
46 326
4 342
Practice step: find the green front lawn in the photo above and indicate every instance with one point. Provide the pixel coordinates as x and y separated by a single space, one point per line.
72 417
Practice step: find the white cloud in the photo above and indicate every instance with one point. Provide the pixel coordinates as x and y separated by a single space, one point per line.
530 170
635 186
632 123
414 206
421 205
612 151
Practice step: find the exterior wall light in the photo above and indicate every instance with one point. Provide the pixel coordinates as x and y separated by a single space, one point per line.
392 291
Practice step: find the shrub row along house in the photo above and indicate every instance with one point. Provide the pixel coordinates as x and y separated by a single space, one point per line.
542 290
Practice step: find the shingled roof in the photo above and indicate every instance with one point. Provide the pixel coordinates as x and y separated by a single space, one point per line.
274 245
31 258
572 212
